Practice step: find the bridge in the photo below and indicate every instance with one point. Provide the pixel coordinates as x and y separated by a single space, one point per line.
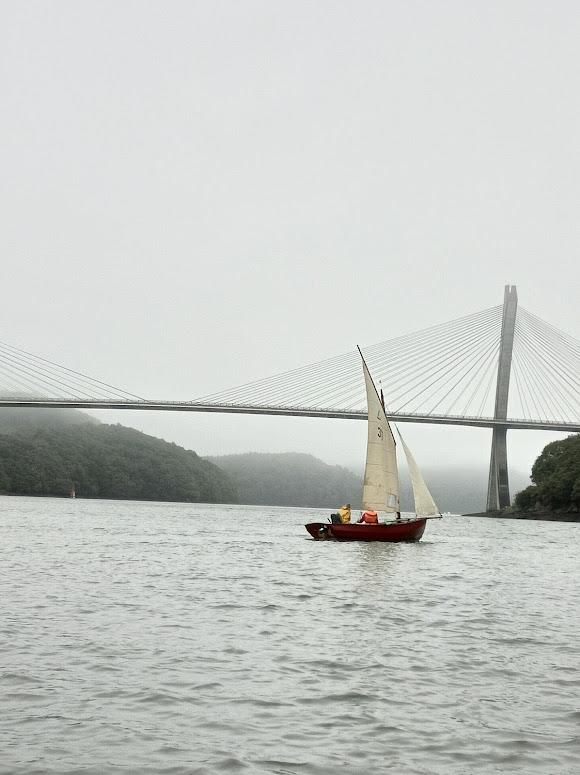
502 368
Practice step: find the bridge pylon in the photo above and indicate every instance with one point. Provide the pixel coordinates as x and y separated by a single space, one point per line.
498 489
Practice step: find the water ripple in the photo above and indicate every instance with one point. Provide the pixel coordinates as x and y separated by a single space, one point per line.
169 638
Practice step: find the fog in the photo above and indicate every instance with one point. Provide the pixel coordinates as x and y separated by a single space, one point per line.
196 195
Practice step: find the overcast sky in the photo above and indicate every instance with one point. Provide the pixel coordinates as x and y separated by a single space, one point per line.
198 194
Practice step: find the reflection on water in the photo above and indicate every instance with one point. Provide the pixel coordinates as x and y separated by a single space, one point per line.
169 638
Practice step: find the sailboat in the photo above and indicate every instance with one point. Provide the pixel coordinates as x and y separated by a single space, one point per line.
381 485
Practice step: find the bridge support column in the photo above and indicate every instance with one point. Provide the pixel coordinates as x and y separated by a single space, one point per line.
498 490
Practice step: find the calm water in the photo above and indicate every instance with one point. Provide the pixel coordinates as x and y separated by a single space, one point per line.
171 638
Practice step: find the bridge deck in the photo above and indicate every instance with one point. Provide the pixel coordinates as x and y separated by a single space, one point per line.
185 406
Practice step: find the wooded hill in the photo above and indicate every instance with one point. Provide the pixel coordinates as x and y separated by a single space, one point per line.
289 479
555 479
46 452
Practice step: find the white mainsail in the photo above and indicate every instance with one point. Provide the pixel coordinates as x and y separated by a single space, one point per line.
425 506
381 482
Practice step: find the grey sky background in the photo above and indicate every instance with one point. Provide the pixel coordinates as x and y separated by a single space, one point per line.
198 194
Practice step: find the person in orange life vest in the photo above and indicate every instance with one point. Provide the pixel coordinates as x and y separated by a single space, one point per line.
369 518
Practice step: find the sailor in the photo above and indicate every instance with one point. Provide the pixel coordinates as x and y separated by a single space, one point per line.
344 514
369 518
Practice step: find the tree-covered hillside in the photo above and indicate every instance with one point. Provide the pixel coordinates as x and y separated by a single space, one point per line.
289 479
47 451
106 461
555 477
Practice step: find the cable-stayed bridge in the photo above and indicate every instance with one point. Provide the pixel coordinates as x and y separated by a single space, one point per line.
501 368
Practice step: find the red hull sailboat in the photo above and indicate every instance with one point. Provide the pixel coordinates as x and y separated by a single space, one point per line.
381 485
405 530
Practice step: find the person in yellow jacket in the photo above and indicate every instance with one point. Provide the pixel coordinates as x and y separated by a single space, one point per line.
344 514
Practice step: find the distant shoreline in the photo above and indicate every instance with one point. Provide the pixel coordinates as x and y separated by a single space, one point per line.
546 516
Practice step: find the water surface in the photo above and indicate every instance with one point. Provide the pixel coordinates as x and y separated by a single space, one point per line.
174 638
